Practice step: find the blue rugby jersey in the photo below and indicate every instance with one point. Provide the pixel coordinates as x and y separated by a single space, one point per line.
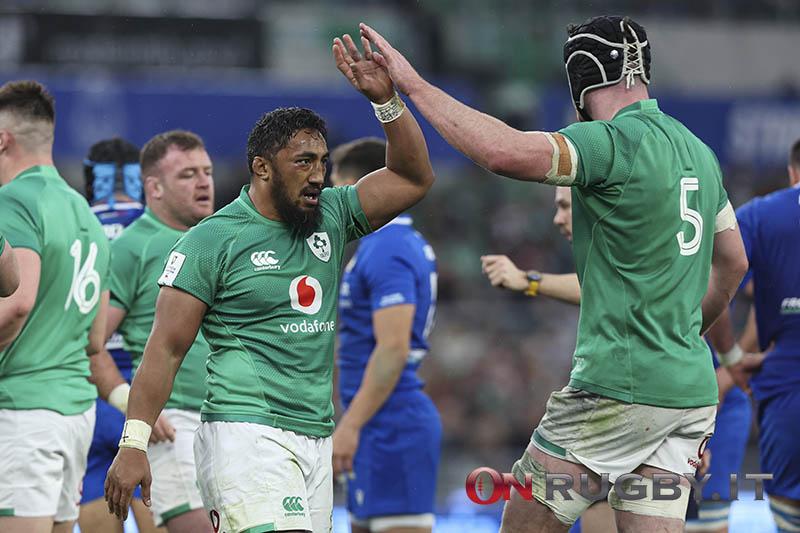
114 221
770 228
392 266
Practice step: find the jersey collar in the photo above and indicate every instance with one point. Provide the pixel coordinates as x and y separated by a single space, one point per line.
149 215
41 170
247 203
644 106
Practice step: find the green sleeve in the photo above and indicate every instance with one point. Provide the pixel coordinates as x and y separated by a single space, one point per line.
2 244
722 201
347 206
18 222
124 273
594 144
194 264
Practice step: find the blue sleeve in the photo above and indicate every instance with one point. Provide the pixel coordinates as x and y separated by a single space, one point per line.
746 217
390 278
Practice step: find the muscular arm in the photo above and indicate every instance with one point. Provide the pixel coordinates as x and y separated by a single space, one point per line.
9 271
15 309
520 155
728 267
502 272
392 326
408 174
177 319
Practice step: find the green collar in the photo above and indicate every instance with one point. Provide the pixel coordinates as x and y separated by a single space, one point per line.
645 106
148 214
42 170
247 203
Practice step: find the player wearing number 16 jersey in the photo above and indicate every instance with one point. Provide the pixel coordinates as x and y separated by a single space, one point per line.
390 429
658 255
47 328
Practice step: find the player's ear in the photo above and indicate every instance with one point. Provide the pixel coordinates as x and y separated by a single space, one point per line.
794 175
262 169
153 187
5 140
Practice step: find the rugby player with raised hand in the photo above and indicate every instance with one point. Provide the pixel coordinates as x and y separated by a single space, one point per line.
658 255
260 277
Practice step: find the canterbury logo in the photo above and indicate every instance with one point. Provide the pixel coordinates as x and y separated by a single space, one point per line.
293 503
263 258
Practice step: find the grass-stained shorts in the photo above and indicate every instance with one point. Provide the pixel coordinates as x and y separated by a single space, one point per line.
256 478
614 437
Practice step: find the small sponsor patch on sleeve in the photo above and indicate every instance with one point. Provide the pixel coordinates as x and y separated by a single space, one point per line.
392 299
171 270
565 161
726 219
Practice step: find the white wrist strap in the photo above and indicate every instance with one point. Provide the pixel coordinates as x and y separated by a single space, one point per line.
135 434
119 397
390 110
731 357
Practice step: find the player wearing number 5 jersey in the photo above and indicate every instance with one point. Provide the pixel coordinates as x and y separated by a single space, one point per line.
390 429
47 328
658 255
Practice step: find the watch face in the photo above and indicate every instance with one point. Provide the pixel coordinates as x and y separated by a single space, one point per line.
534 276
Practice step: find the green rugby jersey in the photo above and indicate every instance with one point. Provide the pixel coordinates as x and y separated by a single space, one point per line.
271 319
646 196
137 260
46 367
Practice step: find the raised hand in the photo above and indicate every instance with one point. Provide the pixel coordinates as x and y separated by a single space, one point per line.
400 70
502 272
362 70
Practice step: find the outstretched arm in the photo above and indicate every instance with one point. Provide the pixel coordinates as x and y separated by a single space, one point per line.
521 155
408 174
502 272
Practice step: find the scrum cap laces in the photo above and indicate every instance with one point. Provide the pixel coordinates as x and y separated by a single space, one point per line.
601 52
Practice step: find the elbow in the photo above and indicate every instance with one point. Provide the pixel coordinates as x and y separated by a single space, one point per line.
20 310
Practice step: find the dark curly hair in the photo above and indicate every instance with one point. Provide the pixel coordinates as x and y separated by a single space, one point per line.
273 131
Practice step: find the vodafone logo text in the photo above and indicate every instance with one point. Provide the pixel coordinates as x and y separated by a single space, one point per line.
305 293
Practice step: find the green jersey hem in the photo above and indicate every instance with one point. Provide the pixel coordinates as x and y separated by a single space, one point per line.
175 511
644 399
7 512
310 429
264 528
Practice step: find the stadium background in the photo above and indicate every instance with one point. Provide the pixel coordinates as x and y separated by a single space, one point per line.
724 67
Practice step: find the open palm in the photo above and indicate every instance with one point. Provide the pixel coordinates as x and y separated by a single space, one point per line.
366 75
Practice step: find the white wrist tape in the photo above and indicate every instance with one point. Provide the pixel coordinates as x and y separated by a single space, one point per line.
135 434
119 397
390 110
731 357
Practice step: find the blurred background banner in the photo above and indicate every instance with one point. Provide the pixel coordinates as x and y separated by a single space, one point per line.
726 68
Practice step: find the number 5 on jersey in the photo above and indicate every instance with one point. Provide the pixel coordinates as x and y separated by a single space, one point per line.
692 217
82 278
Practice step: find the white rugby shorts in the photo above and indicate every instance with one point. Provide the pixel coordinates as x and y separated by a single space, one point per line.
255 475
43 457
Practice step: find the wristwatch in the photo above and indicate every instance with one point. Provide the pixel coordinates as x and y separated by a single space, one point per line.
534 280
